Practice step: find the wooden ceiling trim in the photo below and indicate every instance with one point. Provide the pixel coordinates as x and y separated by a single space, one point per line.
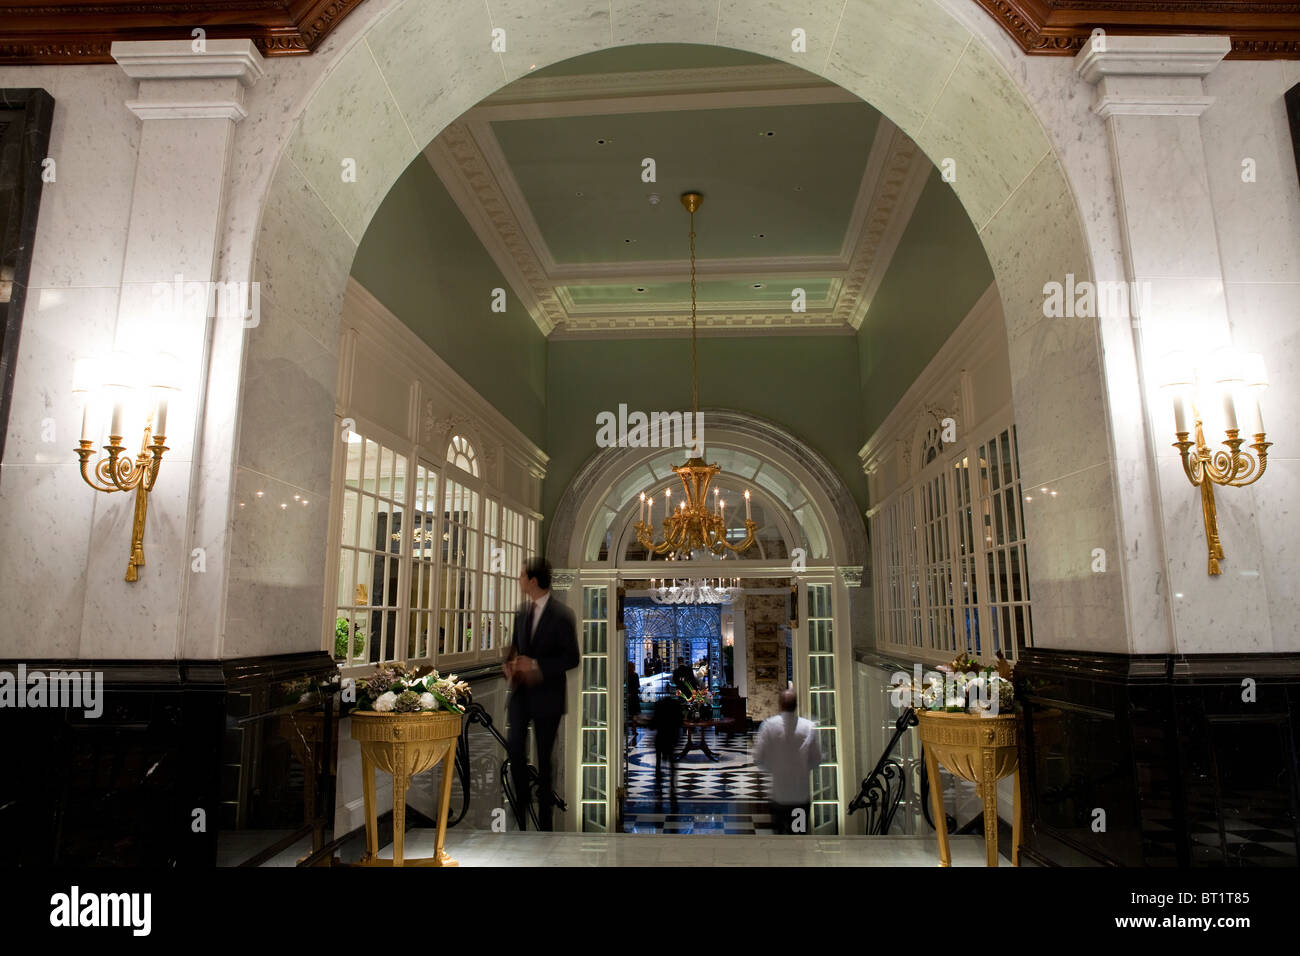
1258 29
81 31
77 32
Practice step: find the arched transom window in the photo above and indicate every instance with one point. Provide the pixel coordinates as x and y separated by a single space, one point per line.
461 454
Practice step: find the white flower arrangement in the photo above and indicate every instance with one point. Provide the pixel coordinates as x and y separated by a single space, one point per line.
964 686
394 690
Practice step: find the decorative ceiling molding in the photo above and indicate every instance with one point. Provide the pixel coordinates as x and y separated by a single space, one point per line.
82 31
471 164
460 164
682 309
1258 29
893 184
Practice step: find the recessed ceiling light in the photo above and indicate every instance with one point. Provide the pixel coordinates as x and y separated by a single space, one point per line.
758 285
768 132
798 189
604 141
760 235
629 241
640 288
578 194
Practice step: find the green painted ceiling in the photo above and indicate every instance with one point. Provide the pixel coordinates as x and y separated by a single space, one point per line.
794 188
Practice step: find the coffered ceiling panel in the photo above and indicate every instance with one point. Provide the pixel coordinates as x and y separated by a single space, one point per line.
778 181
807 190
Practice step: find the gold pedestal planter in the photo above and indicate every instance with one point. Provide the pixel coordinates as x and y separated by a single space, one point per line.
982 750
404 745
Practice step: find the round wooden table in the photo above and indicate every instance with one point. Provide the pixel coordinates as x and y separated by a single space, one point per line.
643 720
702 726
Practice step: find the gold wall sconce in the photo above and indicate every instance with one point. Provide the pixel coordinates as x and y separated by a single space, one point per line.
134 392
1211 393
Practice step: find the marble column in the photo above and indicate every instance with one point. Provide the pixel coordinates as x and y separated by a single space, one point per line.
1150 94
188 102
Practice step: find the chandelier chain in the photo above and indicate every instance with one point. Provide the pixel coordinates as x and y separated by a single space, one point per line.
695 359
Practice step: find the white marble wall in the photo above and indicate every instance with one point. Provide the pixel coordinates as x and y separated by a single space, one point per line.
1258 226
1033 171
48 516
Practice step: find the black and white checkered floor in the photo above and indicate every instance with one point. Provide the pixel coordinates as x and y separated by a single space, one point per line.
727 796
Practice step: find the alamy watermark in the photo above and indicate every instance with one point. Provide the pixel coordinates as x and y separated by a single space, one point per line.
949 690
1086 299
229 300
656 430
58 689
88 909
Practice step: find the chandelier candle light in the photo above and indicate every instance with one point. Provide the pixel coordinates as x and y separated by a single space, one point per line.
131 388
693 526
1230 384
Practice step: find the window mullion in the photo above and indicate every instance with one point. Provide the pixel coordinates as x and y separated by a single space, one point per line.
405 547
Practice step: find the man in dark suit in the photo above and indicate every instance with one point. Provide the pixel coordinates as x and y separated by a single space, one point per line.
543 647
667 725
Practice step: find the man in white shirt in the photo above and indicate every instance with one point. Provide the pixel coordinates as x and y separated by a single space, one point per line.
788 751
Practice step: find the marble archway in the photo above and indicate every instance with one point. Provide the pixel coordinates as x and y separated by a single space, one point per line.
406 69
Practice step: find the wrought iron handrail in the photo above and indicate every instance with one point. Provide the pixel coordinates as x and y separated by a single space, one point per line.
477 714
882 789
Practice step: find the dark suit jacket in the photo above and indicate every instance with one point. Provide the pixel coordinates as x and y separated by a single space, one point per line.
667 724
555 646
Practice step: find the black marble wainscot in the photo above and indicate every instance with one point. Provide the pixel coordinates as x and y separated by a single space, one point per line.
251 743
1186 771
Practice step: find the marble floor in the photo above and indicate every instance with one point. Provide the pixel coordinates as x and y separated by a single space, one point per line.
484 848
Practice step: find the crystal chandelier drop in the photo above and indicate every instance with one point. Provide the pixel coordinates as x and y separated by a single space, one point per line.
693 526
694 590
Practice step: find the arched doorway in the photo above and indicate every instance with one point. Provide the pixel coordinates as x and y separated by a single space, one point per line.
803 577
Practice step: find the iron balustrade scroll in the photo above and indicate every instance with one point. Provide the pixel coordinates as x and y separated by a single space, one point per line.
478 714
882 790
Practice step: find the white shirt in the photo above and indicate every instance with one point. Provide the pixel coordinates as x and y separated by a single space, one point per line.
787 749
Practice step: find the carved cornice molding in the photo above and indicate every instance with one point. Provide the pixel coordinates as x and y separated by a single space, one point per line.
893 193
75 32
1258 29
459 161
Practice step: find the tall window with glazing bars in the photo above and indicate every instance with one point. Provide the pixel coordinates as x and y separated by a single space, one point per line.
949 553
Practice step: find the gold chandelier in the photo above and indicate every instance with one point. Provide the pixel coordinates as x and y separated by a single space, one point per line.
693 526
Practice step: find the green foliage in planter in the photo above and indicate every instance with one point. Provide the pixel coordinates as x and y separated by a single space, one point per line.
341 640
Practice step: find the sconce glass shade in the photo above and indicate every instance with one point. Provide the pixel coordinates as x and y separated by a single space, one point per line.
162 371
87 377
119 370
1226 366
1252 370
1177 369
125 389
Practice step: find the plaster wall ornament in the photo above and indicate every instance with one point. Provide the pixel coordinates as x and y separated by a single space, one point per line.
562 579
851 577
